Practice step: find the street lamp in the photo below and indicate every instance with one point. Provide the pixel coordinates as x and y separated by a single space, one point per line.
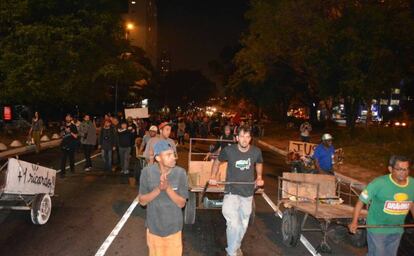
129 27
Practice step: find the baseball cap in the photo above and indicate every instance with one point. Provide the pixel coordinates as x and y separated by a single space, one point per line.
153 128
161 146
327 136
163 124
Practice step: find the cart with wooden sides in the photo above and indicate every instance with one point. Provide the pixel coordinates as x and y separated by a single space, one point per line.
27 186
201 194
299 157
321 197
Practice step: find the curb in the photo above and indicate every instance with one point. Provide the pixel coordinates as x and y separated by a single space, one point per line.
355 183
29 149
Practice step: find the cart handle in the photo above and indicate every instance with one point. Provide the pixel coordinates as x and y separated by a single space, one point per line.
387 226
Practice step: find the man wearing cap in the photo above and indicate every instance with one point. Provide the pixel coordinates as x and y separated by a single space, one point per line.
152 132
164 189
165 131
323 155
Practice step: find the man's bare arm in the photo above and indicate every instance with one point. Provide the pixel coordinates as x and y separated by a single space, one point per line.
357 210
412 209
147 198
176 198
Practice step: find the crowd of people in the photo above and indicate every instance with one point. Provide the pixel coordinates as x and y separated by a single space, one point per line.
119 138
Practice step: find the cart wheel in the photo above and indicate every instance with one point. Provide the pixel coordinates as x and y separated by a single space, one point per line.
359 239
253 214
190 209
41 209
290 228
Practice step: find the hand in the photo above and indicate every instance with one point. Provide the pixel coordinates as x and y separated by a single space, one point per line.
212 181
353 227
259 182
207 156
164 184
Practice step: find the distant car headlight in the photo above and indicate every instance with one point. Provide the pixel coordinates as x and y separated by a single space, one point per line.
403 124
397 124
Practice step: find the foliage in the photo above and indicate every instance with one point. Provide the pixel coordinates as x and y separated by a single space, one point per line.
353 50
63 52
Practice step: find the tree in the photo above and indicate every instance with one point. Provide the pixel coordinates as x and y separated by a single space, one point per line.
341 49
63 53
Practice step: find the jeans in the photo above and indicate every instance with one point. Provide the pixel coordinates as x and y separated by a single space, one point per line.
383 244
107 158
181 139
67 153
87 150
236 210
124 154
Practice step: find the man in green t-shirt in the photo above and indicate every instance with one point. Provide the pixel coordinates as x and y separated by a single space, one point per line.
390 198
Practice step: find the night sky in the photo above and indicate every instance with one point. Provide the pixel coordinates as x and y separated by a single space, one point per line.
195 31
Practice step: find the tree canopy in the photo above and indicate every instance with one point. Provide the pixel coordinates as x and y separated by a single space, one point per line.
349 49
63 52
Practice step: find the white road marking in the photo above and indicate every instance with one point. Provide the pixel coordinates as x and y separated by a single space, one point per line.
108 241
303 239
81 161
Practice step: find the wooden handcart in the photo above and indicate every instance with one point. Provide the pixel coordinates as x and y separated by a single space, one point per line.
319 197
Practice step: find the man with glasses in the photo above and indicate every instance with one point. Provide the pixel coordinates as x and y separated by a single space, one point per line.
390 198
323 155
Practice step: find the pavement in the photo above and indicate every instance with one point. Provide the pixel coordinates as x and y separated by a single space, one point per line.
87 207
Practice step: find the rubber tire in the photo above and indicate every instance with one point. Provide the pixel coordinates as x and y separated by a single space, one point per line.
190 209
359 239
290 228
253 214
35 212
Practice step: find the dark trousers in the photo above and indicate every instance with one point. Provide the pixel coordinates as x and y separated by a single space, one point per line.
67 153
87 151
181 139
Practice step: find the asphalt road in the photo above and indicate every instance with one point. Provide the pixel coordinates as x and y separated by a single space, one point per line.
87 206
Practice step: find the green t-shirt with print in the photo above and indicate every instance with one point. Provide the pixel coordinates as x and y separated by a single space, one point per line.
389 203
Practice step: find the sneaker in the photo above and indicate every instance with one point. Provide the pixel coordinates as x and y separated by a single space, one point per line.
87 169
126 172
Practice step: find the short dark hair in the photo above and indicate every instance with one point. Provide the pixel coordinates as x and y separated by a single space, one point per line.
245 129
397 158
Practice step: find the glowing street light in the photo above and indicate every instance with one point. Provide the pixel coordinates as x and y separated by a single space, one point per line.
130 26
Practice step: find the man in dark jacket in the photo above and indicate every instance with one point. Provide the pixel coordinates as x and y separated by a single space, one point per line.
107 142
125 143
68 144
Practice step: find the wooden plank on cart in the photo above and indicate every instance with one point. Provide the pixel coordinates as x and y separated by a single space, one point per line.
327 211
327 185
29 179
199 172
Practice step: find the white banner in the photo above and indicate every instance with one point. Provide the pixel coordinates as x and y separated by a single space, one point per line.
136 112
29 179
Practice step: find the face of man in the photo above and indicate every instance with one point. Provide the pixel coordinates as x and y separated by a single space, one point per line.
167 158
227 130
244 139
107 124
86 118
327 143
68 119
400 171
152 133
124 125
165 131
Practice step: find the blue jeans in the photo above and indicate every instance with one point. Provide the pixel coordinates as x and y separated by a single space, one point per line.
383 244
124 154
107 159
236 210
